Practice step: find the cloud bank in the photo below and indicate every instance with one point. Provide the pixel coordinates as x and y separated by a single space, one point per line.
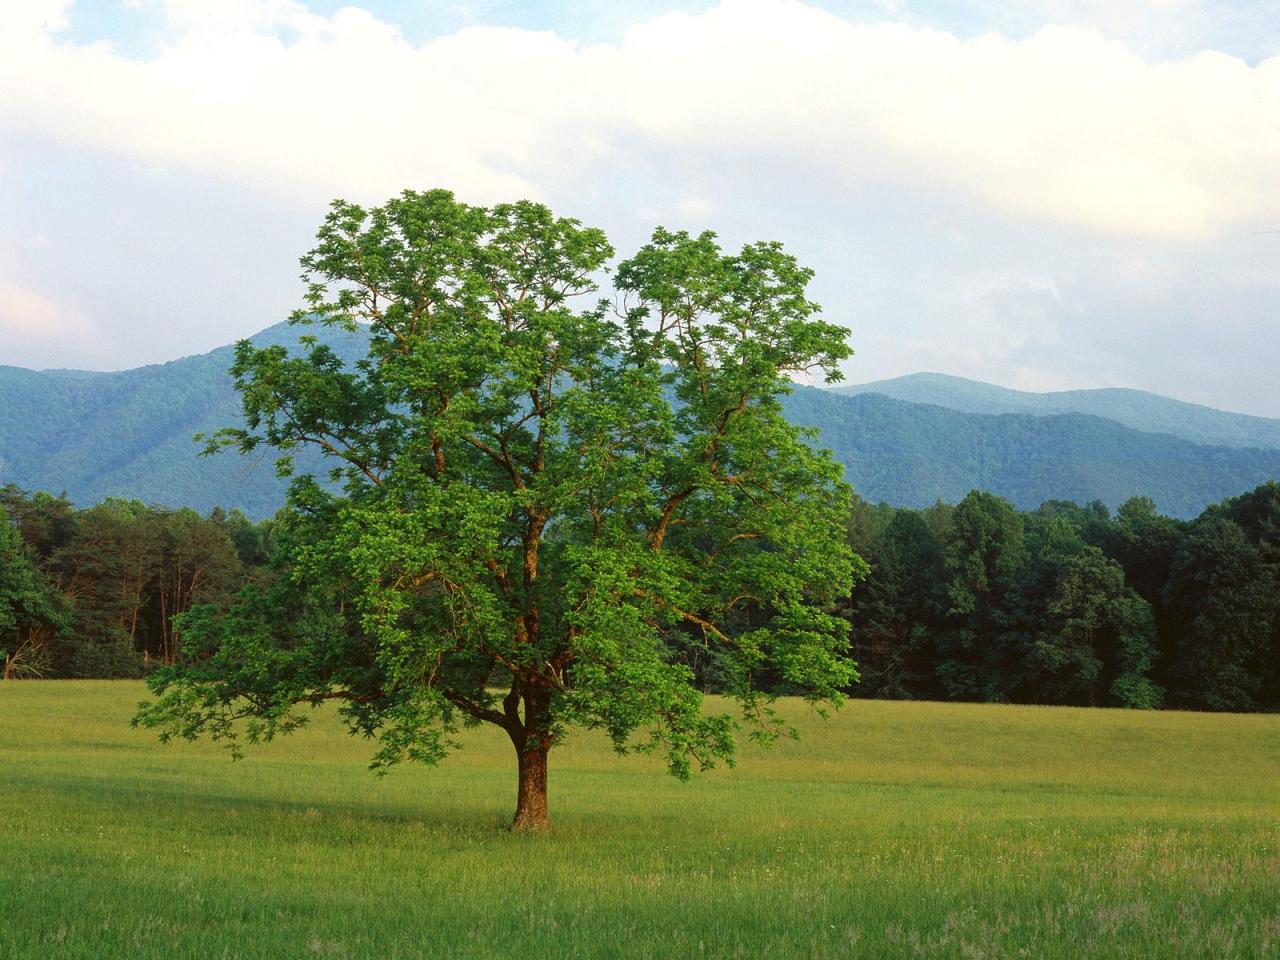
1066 126
1021 168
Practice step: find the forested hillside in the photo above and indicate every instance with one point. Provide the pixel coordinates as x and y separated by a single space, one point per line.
128 434
1144 411
912 454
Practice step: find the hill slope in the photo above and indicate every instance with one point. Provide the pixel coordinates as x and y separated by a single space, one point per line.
1144 411
129 434
911 454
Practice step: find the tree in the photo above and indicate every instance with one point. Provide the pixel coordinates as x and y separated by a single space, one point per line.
198 558
105 571
539 498
1145 544
28 610
985 559
1257 513
1101 644
896 611
1222 603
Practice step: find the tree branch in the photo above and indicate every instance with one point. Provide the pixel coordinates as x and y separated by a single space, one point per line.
474 709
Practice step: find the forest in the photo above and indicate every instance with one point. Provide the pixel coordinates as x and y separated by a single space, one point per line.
976 601
1071 605
92 593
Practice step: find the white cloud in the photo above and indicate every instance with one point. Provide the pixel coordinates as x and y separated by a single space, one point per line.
1064 127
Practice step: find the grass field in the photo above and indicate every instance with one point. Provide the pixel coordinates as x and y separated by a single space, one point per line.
892 830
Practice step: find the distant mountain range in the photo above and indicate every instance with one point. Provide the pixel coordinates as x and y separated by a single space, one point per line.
128 434
1144 411
908 441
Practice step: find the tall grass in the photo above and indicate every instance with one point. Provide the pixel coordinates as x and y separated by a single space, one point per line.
891 830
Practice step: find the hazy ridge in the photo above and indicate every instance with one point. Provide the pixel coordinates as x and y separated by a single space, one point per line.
908 441
1148 412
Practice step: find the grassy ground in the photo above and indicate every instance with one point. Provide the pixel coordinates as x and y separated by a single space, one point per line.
892 830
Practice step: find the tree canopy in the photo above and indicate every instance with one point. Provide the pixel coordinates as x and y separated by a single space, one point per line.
546 498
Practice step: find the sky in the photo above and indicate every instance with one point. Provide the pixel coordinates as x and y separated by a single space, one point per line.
1047 195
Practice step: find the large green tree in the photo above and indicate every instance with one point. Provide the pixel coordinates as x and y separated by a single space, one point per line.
543 495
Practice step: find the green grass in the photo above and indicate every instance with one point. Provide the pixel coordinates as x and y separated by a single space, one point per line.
892 830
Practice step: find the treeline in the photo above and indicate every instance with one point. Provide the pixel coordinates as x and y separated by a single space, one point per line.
1064 604
93 592
1071 605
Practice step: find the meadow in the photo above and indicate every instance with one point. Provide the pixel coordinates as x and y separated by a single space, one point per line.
890 830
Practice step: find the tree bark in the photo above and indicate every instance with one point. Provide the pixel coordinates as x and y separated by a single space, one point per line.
531 795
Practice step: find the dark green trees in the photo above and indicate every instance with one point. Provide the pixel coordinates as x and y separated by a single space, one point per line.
544 498
1136 610
112 576
1257 514
1065 604
899 607
1100 645
1223 608
985 557
108 569
29 611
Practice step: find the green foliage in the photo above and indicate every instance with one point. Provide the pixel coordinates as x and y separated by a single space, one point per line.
536 493
1225 607
985 556
1103 646
899 608
28 608
1066 604
1081 634
1257 513
109 580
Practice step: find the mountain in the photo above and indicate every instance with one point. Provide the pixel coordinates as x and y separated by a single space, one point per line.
1144 411
911 454
128 434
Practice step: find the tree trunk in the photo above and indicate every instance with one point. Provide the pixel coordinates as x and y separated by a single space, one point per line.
531 797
